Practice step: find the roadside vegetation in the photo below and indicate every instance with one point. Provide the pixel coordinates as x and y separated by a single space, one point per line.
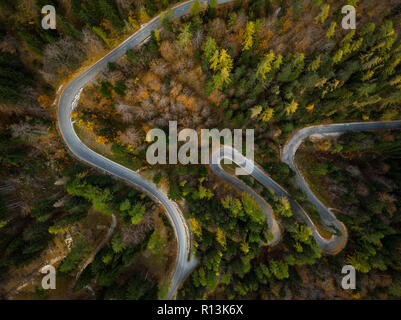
274 66
40 213
360 173
248 65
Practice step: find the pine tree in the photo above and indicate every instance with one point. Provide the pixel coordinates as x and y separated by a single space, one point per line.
332 30
225 61
209 48
68 28
292 68
116 243
279 269
265 66
215 61
248 36
213 4
109 11
184 38
338 56
151 7
196 8
315 64
221 237
324 13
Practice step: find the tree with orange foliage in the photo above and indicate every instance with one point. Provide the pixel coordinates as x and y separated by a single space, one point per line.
45 101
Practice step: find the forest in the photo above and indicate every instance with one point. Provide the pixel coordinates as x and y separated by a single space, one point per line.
274 66
46 196
230 67
362 170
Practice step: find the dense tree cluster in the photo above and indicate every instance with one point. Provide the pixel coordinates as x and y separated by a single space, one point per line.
244 65
364 168
114 279
33 62
274 66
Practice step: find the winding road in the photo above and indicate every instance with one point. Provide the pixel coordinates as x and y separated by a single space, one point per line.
185 262
66 104
338 241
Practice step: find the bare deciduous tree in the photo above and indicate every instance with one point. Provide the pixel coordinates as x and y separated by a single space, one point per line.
62 55
125 112
218 29
116 76
9 44
134 234
198 38
159 67
168 51
131 136
92 43
240 22
126 4
28 132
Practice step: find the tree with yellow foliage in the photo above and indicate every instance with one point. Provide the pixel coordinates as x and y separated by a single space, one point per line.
315 64
143 16
195 227
195 8
221 237
267 115
226 62
265 66
332 30
245 247
284 209
310 107
338 56
220 62
214 61
45 101
324 13
291 107
248 36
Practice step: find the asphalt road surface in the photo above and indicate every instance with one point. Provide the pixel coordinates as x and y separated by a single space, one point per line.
338 240
68 101
185 262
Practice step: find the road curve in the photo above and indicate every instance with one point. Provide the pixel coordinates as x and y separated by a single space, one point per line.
328 246
184 261
337 241
68 101
227 152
